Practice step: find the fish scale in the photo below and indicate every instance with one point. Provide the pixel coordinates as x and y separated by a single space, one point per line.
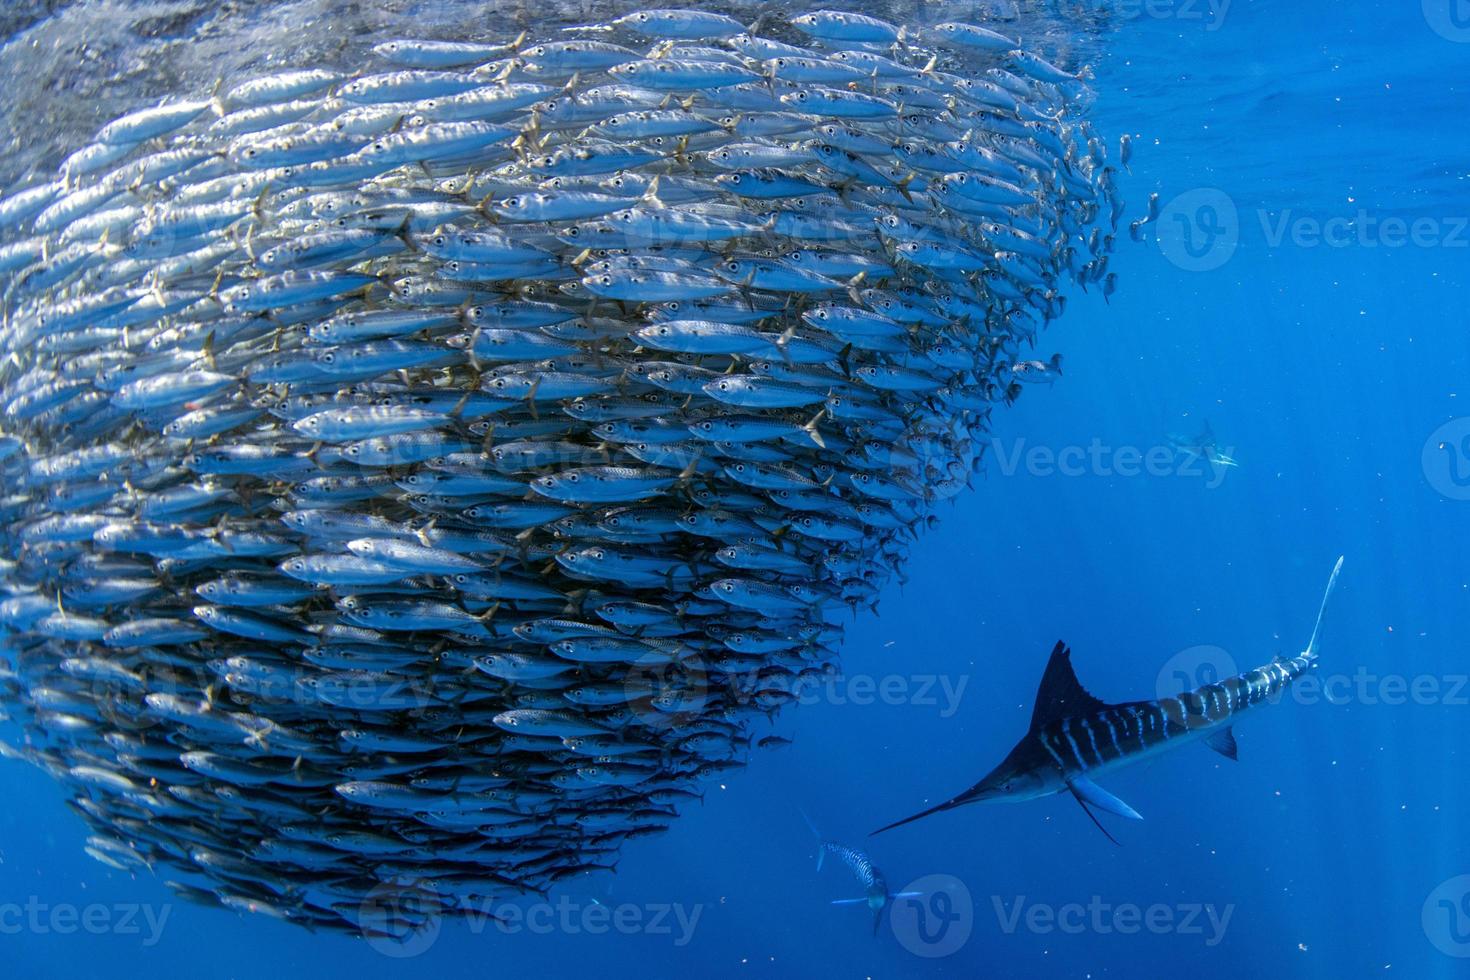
438 387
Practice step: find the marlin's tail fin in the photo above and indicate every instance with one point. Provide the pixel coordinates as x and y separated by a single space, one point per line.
1311 651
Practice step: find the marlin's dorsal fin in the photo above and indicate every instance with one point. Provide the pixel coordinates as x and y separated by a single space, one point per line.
1061 695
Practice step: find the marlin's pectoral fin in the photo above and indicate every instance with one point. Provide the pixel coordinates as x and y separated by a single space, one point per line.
1223 742
1089 792
906 895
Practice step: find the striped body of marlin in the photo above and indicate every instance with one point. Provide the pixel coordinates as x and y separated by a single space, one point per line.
1074 736
876 895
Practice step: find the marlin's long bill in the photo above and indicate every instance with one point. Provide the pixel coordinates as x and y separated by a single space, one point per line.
1074 735
949 804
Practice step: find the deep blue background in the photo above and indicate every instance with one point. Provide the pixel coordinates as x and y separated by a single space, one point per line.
1325 369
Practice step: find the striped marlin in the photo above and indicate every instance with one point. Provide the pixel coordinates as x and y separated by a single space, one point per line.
876 895
1074 736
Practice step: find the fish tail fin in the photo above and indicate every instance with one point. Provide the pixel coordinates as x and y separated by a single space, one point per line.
1311 651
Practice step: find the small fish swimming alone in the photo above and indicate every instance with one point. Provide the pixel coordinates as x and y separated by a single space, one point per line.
1074 736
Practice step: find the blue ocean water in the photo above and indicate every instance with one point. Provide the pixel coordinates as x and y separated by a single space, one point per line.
1330 369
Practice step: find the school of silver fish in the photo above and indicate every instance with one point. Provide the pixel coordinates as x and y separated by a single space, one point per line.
418 482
